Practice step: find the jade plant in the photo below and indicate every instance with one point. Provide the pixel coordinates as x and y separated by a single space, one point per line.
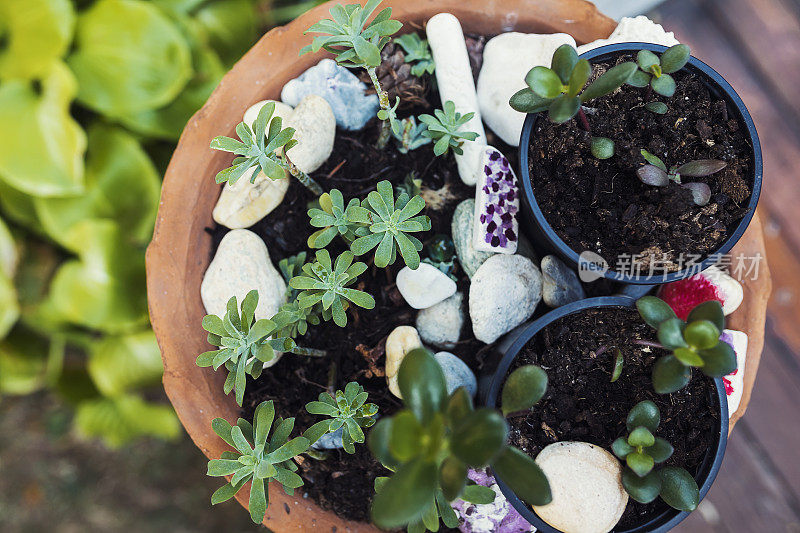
656 173
327 284
642 450
692 343
258 458
357 43
262 147
347 410
417 53
444 127
654 71
245 344
432 442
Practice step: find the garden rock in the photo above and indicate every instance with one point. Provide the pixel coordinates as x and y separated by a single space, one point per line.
330 441
496 517
560 284
734 382
424 287
243 203
440 324
588 496
507 59
281 110
400 341
342 89
456 83
504 293
457 373
496 225
462 230
634 29
240 265
315 131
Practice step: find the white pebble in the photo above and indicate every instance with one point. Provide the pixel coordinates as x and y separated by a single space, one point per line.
400 341
424 287
634 29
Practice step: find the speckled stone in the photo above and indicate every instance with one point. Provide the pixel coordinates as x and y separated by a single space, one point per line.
462 228
440 324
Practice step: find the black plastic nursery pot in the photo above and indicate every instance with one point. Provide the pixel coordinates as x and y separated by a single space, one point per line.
512 346
545 236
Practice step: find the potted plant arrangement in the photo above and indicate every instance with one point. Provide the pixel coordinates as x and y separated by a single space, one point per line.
365 263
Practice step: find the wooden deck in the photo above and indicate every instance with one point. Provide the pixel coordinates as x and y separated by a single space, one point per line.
755 44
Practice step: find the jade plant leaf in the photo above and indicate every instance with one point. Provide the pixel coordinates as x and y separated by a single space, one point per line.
670 375
121 419
564 60
524 387
452 477
480 438
116 163
670 333
643 414
128 57
119 364
654 311
702 334
679 489
411 487
422 384
719 361
675 58
37 33
41 146
643 489
523 475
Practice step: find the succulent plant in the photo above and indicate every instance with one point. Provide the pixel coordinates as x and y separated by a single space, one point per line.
436 437
348 410
418 53
262 147
642 450
655 173
654 71
444 128
331 217
259 458
411 135
693 343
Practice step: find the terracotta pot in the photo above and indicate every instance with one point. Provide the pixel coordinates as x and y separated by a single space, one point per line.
181 250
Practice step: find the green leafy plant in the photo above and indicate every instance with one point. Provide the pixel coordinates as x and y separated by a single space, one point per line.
444 128
357 43
441 254
411 135
390 221
331 218
562 89
654 71
693 343
258 458
642 450
263 148
655 173
245 344
436 437
327 284
347 410
411 186
418 53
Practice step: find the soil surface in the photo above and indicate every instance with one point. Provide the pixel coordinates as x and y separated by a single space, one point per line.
600 205
581 403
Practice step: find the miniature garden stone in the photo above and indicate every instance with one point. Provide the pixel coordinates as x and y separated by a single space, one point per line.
560 284
734 382
496 224
244 203
503 294
456 83
342 89
424 287
330 441
496 517
457 373
710 284
440 324
315 131
588 496
400 341
240 265
462 230
507 58
281 110
634 29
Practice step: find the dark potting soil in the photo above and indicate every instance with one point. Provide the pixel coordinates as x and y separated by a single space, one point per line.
582 404
601 206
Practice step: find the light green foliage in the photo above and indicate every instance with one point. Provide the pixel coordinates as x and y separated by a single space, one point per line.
411 135
348 410
327 285
642 450
245 343
436 437
444 127
258 458
418 53
120 364
692 343
655 173
331 218
561 89
602 147
655 71
124 418
389 222
412 185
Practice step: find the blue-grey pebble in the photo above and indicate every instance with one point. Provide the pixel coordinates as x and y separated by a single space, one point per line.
457 373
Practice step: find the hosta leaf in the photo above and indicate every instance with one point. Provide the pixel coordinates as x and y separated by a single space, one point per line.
120 364
230 27
128 57
119 420
41 146
18 207
116 163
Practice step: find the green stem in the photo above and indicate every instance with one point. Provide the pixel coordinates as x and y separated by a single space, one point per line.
301 176
309 352
383 100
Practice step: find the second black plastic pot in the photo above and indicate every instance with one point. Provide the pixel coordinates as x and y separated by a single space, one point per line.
511 347
539 229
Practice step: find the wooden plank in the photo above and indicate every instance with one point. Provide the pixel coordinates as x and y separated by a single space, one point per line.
784 304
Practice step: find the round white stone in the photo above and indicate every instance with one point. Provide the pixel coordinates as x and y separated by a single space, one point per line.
400 341
425 286
440 324
586 483
315 131
281 110
243 203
